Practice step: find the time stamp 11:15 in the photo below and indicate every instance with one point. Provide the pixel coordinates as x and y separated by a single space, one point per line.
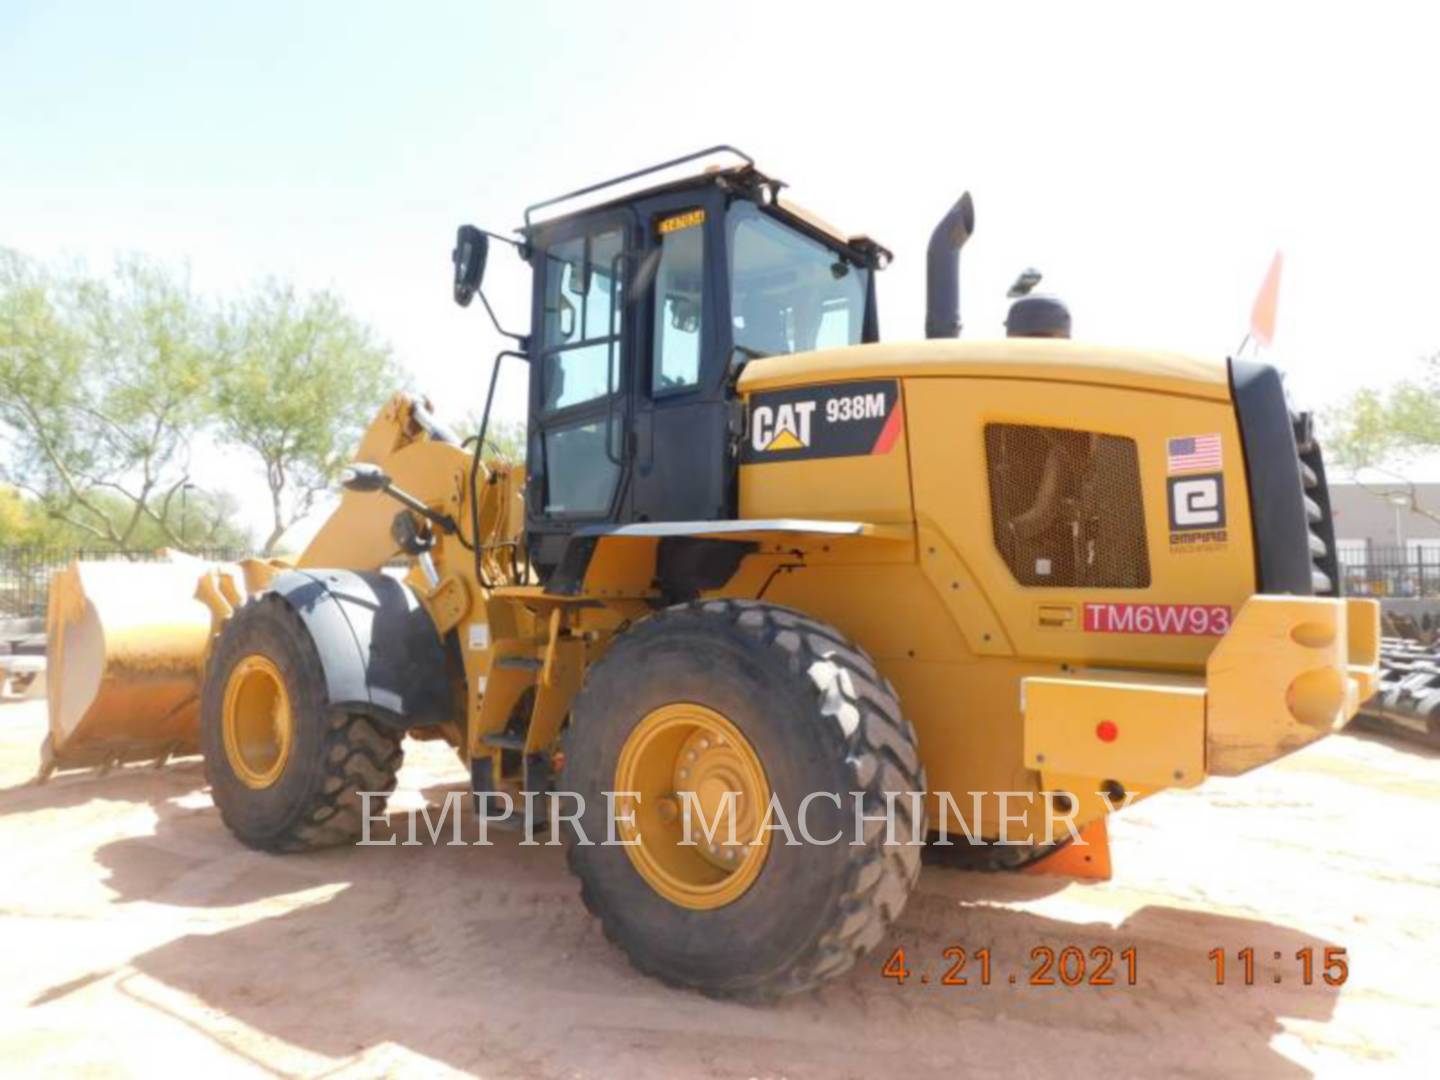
1101 965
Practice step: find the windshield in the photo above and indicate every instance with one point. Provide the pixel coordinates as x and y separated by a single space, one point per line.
789 293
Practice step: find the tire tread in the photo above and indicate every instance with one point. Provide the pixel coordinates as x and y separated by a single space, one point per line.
879 747
357 753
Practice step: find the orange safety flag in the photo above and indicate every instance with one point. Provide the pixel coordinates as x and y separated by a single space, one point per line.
1262 315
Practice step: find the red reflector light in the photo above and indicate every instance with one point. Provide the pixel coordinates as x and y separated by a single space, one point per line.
1106 731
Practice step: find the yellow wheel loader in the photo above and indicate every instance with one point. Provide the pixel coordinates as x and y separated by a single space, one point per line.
760 565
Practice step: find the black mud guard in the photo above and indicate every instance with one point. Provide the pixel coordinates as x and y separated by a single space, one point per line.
376 642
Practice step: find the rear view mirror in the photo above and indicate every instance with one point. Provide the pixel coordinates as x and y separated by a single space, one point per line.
471 248
684 313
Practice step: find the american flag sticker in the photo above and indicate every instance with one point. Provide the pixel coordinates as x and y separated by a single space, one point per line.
1193 453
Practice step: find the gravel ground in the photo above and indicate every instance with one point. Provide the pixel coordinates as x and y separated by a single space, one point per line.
140 939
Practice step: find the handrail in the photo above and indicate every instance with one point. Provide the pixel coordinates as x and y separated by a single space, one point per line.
592 188
611 390
475 464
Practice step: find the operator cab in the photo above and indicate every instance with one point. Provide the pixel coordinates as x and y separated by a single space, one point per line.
644 309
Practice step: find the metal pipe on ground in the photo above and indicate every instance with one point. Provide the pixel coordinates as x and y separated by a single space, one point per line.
1408 701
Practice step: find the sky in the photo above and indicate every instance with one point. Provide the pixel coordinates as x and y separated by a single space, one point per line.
1148 158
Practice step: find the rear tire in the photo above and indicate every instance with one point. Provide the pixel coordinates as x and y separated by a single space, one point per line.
819 718
313 800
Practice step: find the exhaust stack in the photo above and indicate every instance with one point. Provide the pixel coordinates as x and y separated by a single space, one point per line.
942 269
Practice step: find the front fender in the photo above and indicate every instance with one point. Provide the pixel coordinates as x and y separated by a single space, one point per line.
376 642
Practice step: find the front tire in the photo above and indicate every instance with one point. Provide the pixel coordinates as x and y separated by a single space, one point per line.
285 768
764 687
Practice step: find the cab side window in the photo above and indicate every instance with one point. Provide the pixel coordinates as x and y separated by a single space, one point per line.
581 333
579 369
679 282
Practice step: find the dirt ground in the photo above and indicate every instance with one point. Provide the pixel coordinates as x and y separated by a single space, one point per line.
139 939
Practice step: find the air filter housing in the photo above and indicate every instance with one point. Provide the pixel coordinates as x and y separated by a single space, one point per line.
1038 316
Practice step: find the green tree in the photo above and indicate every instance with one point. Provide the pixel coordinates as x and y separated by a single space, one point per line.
201 519
103 383
20 526
1388 432
302 379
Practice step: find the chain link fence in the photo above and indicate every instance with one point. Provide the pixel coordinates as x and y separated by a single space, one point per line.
25 572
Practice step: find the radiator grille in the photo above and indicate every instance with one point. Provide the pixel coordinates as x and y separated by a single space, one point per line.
1066 507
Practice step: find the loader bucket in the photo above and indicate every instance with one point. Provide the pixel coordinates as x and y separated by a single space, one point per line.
126 651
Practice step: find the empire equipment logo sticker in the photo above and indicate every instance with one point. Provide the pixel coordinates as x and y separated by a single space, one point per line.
840 420
1196 505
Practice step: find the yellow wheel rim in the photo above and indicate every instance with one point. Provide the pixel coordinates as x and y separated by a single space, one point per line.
685 754
258 725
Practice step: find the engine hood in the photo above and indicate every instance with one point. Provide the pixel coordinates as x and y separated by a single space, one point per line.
1038 359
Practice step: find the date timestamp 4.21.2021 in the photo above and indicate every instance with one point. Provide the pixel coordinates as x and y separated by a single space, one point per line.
1102 965
1068 966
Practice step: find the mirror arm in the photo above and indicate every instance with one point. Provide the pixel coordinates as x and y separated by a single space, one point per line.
405 499
370 479
523 340
516 244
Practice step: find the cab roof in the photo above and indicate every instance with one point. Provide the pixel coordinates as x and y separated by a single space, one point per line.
689 170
